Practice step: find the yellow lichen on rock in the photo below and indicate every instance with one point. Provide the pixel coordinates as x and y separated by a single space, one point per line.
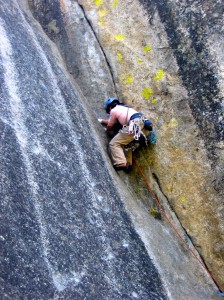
102 14
119 37
147 93
127 79
98 2
146 77
120 57
159 75
147 48
114 3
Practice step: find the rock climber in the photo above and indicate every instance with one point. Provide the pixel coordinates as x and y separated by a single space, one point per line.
133 126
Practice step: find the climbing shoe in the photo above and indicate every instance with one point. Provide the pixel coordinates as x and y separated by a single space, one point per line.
128 167
125 167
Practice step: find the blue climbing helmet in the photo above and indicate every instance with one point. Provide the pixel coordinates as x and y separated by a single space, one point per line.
109 102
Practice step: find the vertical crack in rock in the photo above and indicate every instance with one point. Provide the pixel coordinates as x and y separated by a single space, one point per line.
89 244
92 246
159 185
101 47
188 239
72 32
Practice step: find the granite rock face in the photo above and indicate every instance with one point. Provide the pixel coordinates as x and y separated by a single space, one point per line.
167 61
70 227
195 33
64 230
65 23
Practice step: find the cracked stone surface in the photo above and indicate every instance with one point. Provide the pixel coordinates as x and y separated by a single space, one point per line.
71 228
167 62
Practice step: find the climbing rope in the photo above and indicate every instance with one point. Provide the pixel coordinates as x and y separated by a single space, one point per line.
221 289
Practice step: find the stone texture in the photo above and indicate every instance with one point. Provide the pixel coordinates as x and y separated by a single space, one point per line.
167 62
65 23
64 230
71 228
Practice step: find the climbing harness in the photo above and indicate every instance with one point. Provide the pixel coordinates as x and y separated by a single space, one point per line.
135 125
142 139
186 243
